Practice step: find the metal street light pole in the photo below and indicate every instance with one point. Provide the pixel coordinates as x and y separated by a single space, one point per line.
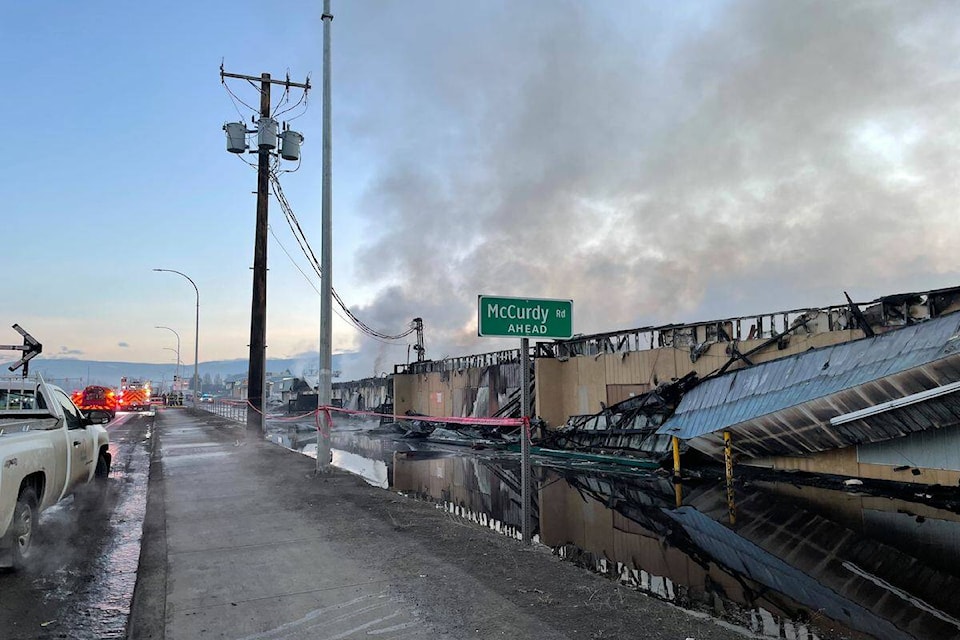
324 381
178 348
196 338
178 362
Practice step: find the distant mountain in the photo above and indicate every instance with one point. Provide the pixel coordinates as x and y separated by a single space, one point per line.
75 374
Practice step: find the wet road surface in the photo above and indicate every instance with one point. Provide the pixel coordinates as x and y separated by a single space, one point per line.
246 553
780 561
87 552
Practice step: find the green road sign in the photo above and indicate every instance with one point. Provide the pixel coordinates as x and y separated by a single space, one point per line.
525 317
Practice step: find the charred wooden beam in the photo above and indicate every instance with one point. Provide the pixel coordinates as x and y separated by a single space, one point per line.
858 315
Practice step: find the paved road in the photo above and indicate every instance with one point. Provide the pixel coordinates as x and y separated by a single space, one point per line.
88 550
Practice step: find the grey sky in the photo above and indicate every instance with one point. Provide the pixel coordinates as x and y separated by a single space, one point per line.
753 156
654 161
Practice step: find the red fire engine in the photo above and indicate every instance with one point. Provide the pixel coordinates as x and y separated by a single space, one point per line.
134 395
96 397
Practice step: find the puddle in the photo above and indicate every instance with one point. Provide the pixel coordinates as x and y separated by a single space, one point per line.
374 472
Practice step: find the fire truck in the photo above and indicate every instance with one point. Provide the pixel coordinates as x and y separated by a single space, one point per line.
96 397
134 395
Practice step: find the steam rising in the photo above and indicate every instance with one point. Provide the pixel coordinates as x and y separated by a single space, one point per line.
673 163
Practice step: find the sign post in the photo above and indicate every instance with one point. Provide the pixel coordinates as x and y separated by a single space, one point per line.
525 318
526 471
30 348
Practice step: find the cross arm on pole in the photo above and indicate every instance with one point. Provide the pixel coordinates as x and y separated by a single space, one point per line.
285 82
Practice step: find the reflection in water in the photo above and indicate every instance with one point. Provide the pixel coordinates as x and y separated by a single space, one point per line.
897 559
303 438
797 562
782 570
373 471
480 489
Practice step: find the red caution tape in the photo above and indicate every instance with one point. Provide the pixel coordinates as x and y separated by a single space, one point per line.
493 422
329 409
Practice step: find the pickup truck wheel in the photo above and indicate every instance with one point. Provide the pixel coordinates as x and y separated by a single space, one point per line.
103 466
24 527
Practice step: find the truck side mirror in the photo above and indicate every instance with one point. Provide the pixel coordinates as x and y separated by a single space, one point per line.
96 416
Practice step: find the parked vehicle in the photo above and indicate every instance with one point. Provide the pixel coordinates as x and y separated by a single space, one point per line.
48 450
96 397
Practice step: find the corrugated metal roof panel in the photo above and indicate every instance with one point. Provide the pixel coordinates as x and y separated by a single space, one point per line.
748 394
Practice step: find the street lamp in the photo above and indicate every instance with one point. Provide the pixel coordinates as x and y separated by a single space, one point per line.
178 348
196 337
178 366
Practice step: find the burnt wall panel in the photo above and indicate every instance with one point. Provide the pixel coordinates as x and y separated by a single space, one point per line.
577 385
548 401
592 388
404 390
454 392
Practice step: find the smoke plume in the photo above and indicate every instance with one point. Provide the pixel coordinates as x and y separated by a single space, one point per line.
655 163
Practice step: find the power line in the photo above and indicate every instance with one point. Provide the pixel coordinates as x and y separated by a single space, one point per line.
312 258
293 262
235 98
302 272
284 99
303 97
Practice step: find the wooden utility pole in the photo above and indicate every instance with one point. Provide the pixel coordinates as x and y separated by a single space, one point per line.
258 305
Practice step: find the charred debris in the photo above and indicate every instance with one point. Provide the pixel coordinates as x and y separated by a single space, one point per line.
415 426
628 427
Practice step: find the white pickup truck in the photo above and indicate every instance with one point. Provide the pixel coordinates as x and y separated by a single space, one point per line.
48 449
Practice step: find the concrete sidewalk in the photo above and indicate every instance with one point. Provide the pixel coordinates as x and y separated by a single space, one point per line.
242 540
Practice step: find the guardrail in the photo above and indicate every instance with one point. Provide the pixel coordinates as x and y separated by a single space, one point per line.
230 409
